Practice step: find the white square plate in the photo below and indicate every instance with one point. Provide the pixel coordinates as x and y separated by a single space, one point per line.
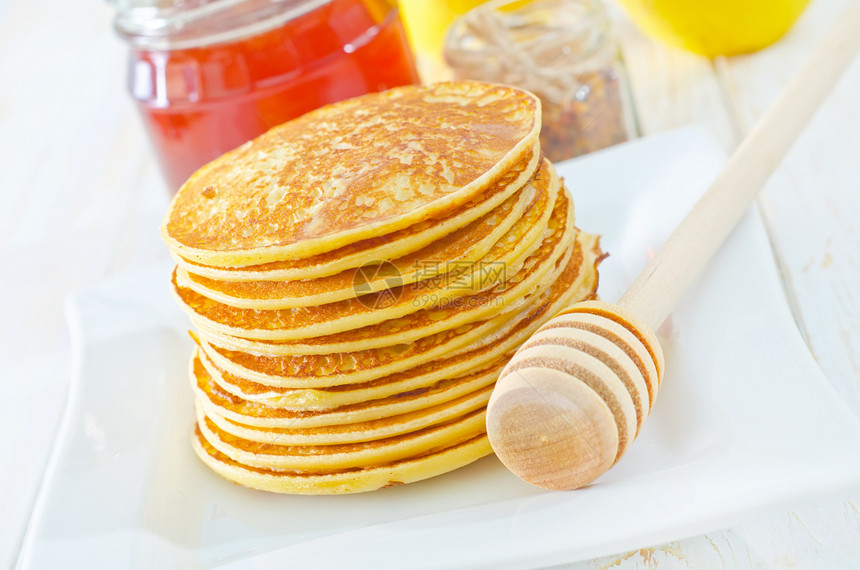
745 420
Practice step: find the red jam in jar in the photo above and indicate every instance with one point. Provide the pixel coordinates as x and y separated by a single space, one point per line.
210 75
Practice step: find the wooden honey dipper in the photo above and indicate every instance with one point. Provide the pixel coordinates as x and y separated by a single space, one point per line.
573 398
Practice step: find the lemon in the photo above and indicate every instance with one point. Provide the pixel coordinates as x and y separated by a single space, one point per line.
426 22
716 27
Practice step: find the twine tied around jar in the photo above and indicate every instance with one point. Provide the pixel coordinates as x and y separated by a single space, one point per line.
528 49
558 49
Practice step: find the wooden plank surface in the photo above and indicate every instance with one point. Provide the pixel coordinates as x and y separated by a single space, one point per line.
807 206
80 199
813 202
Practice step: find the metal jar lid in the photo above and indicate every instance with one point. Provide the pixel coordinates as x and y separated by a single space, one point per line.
181 24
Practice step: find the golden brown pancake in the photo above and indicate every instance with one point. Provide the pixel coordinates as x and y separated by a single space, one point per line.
437 381
390 246
212 396
316 457
505 259
334 457
460 249
360 276
354 432
421 323
577 282
409 470
338 369
311 185
322 370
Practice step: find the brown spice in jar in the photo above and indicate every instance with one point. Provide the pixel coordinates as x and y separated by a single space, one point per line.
576 127
559 50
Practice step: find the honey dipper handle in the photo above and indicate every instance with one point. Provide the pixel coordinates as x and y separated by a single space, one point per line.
660 285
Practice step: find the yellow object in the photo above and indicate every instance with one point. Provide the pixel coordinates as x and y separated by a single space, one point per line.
716 27
267 201
427 21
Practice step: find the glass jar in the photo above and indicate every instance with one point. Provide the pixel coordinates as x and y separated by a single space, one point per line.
561 51
209 75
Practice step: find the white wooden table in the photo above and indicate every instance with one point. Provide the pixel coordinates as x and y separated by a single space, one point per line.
80 199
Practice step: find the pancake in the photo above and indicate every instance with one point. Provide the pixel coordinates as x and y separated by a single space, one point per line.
391 246
421 323
354 456
569 288
429 384
409 470
464 246
460 249
354 432
321 370
359 278
338 369
299 394
334 457
211 396
353 170
504 261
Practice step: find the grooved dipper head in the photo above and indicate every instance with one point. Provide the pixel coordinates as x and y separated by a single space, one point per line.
574 396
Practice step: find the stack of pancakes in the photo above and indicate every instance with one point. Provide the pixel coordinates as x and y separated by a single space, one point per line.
358 278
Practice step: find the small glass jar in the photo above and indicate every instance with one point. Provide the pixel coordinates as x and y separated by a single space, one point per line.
209 75
561 51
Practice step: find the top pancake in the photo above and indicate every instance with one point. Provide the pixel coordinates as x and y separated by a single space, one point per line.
353 170
389 246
